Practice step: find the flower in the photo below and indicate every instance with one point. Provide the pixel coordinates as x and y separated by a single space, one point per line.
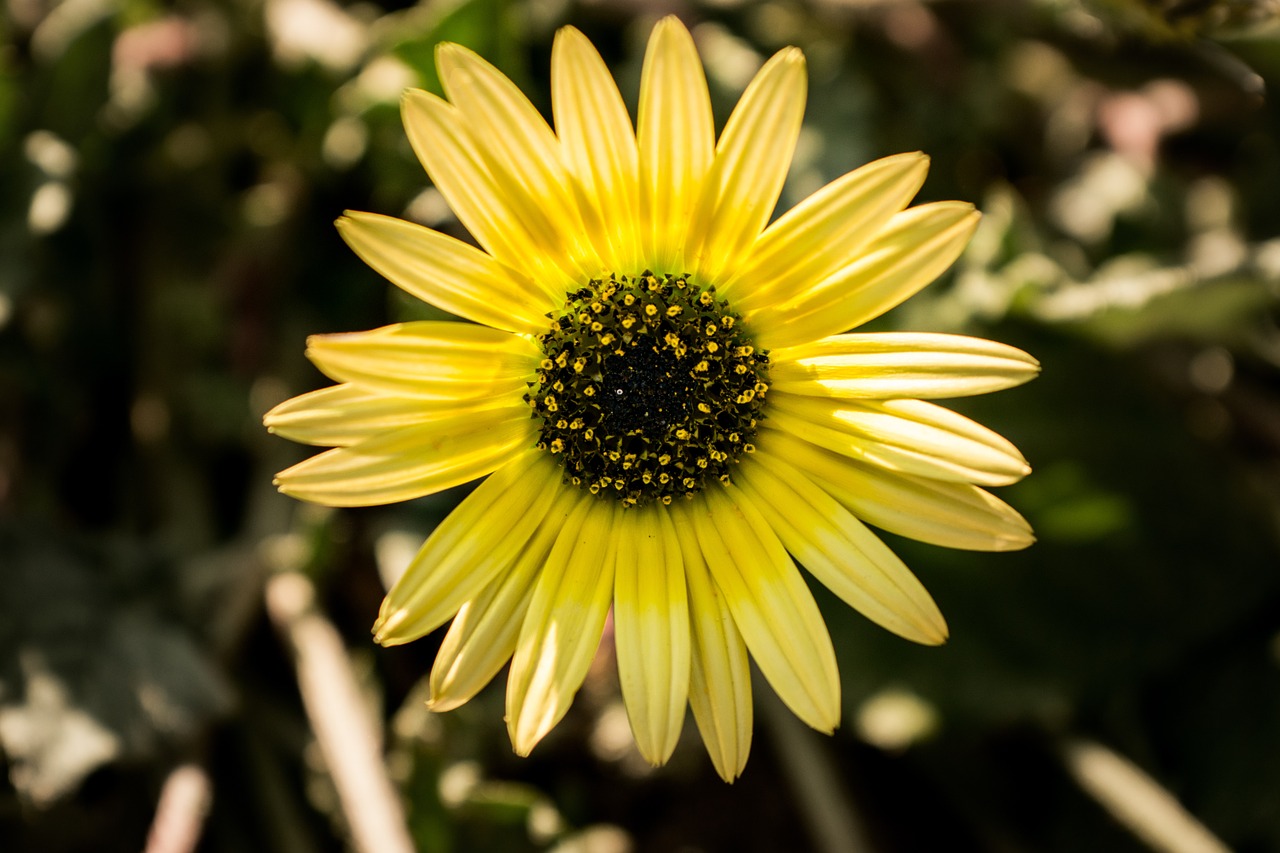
656 385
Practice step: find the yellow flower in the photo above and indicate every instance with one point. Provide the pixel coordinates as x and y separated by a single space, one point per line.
656 386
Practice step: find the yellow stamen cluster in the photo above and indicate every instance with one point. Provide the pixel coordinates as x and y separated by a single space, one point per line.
648 386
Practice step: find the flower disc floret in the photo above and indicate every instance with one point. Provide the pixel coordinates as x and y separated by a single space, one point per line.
648 386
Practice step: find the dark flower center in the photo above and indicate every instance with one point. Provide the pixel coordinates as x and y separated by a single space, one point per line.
648 386
644 387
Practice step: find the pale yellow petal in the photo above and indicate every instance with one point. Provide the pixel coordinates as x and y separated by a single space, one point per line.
750 167
478 540
953 515
562 628
889 365
430 359
505 222
839 551
447 273
911 436
826 231
599 148
720 677
520 150
770 603
515 135
914 249
651 629
676 135
412 461
345 414
483 635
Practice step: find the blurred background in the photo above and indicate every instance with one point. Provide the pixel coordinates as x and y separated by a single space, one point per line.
185 660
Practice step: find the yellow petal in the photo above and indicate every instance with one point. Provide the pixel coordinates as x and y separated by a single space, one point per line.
911 436
914 249
839 551
770 603
520 150
431 359
953 515
651 629
600 148
566 618
412 461
483 634
826 231
447 273
888 365
478 540
345 414
676 135
751 164
506 222
720 677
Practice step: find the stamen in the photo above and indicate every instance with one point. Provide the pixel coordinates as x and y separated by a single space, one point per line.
658 385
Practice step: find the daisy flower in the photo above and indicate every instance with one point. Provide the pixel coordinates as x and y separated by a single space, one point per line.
658 386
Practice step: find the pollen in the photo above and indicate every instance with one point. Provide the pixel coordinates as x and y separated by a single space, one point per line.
648 388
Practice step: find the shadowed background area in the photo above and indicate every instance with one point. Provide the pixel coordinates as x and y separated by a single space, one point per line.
185 660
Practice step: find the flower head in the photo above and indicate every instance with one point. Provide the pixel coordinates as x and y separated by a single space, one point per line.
657 386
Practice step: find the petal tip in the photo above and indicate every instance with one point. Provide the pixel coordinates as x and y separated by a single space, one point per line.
1016 543
728 767
788 61
454 63
442 703
384 627
655 759
791 55
522 743
422 112
915 159
936 637
357 219
570 32
448 51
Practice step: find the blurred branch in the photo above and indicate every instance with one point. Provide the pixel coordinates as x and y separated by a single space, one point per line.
1136 800
184 803
347 736
1231 67
826 806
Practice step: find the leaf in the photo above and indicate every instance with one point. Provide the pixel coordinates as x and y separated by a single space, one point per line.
91 671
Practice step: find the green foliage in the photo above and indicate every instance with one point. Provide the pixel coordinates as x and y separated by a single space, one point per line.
489 27
92 668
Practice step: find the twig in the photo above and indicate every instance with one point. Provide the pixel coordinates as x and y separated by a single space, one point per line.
1136 800
180 812
825 805
347 737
